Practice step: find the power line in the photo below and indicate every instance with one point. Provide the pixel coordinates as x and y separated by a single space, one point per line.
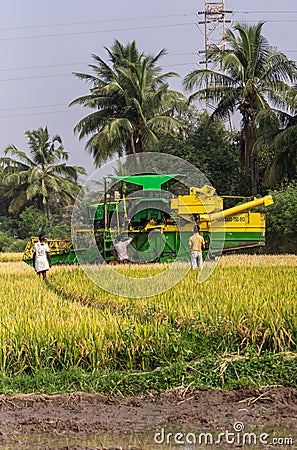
275 21
265 12
71 74
40 113
47 66
35 77
33 107
122 19
75 33
44 67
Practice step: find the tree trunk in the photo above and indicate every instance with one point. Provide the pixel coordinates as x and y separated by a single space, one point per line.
251 154
47 212
254 173
132 144
254 167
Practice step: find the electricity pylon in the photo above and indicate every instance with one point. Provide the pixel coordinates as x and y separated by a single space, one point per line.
215 23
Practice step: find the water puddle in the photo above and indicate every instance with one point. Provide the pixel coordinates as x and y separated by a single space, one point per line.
162 439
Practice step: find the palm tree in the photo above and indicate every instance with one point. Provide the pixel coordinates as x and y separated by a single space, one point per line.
253 77
44 174
133 105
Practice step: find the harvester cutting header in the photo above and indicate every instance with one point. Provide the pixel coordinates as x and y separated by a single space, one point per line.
160 223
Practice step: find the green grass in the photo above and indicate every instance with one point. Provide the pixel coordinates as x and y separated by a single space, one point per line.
210 372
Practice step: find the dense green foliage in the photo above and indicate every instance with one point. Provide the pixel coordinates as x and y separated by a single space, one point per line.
211 148
279 138
282 220
32 221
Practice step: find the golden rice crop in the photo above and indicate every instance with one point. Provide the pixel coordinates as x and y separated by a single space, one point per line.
258 260
10 257
70 321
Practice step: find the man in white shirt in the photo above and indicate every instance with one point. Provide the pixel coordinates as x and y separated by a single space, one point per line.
41 257
121 249
196 244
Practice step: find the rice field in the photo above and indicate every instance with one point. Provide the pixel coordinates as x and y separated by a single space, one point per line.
247 304
10 257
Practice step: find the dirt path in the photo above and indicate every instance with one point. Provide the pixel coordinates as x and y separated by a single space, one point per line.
83 414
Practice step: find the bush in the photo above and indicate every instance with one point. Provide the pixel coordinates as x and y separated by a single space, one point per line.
17 246
9 244
32 221
6 240
282 220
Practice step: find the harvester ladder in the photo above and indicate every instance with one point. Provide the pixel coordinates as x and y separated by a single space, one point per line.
109 252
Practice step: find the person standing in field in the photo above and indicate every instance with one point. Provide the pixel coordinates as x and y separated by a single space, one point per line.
196 244
41 257
121 249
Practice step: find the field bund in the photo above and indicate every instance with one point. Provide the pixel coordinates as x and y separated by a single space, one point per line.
238 328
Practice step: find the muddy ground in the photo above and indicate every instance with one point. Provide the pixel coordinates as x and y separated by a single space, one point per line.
93 414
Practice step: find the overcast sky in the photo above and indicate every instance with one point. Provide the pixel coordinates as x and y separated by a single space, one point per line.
42 42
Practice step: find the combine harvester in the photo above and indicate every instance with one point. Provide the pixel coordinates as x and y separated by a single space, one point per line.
161 224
